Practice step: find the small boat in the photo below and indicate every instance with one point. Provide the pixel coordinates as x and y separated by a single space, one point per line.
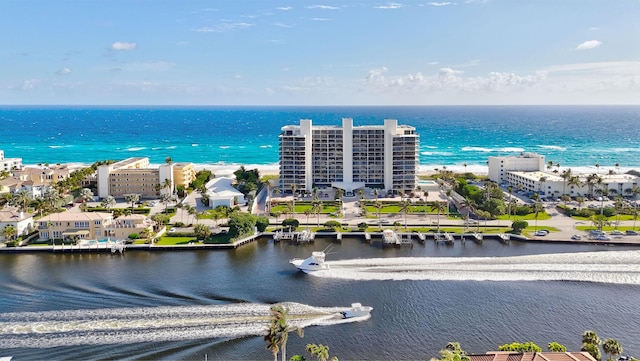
356 310
311 264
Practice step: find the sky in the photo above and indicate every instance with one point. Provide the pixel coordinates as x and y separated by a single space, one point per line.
297 52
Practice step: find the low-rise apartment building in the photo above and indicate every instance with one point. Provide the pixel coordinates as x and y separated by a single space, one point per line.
8 164
137 175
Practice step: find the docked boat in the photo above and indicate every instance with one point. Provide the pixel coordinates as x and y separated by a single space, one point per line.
311 264
356 310
390 237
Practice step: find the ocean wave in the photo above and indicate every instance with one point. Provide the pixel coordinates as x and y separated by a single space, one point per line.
430 146
476 149
225 147
553 147
156 148
172 147
510 150
135 149
195 144
443 154
266 146
59 146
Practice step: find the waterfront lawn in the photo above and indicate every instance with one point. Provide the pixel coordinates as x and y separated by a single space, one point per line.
607 228
301 207
175 241
529 217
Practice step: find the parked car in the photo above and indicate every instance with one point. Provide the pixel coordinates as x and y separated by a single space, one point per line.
384 221
172 230
541 233
616 233
576 237
603 238
629 232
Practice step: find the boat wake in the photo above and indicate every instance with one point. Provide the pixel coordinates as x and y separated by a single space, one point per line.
152 324
621 267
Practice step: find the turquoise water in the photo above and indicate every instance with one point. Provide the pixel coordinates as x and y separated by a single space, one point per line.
574 136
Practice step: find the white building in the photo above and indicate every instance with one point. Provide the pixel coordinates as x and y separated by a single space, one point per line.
134 176
222 193
22 222
8 164
526 173
349 157
525 162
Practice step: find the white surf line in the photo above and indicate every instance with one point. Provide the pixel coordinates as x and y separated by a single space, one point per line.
621 267
151 324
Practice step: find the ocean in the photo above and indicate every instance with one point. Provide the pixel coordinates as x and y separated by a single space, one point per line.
573 136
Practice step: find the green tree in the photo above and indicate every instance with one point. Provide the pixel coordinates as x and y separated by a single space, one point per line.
439 206
132 198
85 195
8 232
241 224
591 343
291 222
519 225
520 347
453 352
262 223
332 225
108 202
279 329
21 199
202 231
556 347
612 347
320 351
405 206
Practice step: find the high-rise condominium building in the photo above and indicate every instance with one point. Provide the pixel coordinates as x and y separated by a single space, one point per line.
349 157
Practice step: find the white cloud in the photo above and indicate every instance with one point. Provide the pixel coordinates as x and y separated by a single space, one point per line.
148 66
323 7
30 84
320 19
444 3
284 8
282 25
63 71
224 27
390 5
119 45
589 44
594 28
432 63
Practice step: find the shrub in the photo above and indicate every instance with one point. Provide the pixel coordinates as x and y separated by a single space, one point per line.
134 236
363 226
294 223
262 223
332 225
179 224
519 225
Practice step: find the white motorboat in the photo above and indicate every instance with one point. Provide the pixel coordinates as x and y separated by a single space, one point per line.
311 264
356 310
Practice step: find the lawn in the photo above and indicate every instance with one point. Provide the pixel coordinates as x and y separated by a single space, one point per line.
174 241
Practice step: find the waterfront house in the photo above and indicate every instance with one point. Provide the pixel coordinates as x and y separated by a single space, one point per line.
222 193
22 222
123 226
75 225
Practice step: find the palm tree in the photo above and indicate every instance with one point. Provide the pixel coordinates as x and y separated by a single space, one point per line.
307 213
272 339
439 206
597 167
293 193
85 195
590 343
108 202
317 207
612 347
405 206
279 330
39 204
566 175
132 198
21 199
168 160
168 184
320 351
377 205
537 208
9 232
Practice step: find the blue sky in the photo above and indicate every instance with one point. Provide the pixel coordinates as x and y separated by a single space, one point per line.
297 52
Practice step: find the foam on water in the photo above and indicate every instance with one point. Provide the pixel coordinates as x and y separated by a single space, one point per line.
152 324
621 267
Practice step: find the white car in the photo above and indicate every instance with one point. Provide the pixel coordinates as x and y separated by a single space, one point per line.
576 237
616 233
603 238
541 233
172 230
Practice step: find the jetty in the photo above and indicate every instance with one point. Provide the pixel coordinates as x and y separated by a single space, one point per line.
305 236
